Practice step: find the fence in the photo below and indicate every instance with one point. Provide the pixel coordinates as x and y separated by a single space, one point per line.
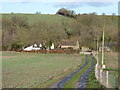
104 77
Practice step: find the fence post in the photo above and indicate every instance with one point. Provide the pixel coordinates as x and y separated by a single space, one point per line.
96 71
107 80
101 75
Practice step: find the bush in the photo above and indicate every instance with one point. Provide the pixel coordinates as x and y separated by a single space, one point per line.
77 51
70 51
16 47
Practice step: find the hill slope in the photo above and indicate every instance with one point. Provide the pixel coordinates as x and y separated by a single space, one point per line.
34 18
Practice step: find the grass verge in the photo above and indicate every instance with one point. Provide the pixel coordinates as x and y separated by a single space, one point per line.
92 82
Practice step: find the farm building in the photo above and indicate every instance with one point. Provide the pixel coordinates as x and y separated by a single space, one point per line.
107 49
107 46
85 49
66 44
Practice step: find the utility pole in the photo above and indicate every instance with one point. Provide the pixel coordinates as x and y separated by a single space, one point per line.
97 51
103 66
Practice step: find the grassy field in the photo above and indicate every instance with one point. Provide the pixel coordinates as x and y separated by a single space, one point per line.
34 18
22 70
111 62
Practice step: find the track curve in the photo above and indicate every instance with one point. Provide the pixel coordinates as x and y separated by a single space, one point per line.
65 79
83 78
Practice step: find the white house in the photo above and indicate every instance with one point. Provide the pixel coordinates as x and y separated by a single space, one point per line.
37 47
40 45
53 46
33 47
28 48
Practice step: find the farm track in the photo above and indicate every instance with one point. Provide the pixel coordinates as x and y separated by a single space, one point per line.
67 78
83 78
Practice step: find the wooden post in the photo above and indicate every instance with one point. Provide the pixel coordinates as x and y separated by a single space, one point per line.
103 48
101 75
107 80
103 66
97 51
96 71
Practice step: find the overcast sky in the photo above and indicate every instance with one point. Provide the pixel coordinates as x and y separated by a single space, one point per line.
51 7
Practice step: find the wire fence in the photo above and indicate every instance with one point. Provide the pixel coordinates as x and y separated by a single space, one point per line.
105 77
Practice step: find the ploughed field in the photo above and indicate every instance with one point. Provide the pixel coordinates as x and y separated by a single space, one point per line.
27 70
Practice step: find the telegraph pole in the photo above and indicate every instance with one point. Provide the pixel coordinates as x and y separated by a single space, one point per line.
97 51
103 66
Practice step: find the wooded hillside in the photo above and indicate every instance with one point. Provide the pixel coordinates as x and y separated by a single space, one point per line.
21 30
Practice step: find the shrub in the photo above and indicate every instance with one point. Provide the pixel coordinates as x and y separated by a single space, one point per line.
16 47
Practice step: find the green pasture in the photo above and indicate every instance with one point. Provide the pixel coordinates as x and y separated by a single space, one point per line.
35 18
111 63
23 70
110 60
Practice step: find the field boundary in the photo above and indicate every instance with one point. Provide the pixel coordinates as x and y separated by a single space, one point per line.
104 76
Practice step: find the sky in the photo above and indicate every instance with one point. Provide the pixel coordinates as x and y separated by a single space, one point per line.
51 7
